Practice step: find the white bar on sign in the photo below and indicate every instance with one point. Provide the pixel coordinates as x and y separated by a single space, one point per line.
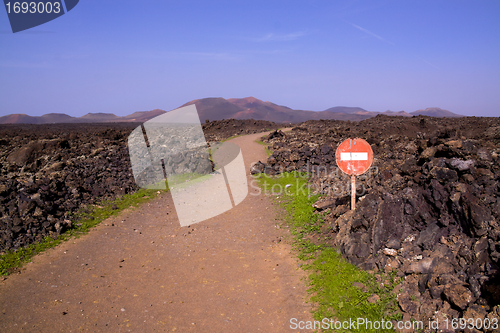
353 156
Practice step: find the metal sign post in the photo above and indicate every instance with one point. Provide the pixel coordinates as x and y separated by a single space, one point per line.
353 192
354 157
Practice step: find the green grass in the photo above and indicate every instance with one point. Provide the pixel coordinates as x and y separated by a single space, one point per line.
83 220
187 179
232 137
330 277
269 152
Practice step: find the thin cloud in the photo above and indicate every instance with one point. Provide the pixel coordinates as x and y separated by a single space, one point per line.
366 31
281 38
428 63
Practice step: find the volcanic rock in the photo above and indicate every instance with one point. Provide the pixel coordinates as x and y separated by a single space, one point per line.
428 208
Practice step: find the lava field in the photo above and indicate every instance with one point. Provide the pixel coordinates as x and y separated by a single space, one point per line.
429 208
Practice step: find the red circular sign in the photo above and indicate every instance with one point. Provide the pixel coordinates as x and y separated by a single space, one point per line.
354 156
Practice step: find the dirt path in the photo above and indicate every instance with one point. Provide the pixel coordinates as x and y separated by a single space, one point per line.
142 272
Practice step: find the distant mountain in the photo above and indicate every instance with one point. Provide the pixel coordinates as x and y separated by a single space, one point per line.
52 118
253 108
55 118
18 118
142 116
360 111
436 112
217 108
99 117
396 113
348 110
340 116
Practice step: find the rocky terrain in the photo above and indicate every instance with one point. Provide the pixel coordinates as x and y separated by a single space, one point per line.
48 172
429 208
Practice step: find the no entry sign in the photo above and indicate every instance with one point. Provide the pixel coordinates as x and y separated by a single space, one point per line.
354 156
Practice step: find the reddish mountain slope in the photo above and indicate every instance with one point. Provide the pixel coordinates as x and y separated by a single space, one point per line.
55 118
18 118
142 116
253 108
99 117
436 112
215 108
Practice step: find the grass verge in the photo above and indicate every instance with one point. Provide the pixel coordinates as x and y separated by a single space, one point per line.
83 220
338 289
232 137
269 152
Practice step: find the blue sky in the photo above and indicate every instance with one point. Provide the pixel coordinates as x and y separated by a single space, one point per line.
122 56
